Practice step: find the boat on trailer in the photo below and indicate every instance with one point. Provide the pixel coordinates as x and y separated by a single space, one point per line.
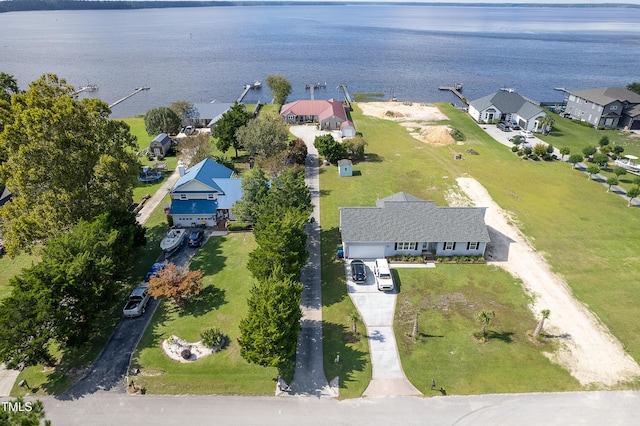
173 240
629 163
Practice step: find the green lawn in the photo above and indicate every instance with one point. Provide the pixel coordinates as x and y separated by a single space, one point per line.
570 133
583 232
11 267
447 298
221 304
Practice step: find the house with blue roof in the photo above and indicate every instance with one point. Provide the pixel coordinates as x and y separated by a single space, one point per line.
204 195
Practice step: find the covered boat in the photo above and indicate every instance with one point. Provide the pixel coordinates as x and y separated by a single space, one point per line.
174 239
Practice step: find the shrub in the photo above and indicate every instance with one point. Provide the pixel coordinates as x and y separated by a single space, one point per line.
211 337
528 150
457 135
514 148
238 226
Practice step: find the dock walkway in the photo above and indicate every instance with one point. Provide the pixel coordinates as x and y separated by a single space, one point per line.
455 92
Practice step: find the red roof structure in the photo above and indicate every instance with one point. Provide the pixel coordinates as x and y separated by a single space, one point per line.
329 113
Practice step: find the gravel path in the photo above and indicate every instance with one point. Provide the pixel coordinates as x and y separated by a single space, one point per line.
589 350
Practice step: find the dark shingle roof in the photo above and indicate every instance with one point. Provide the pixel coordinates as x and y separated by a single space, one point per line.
606 95
508 102
403 217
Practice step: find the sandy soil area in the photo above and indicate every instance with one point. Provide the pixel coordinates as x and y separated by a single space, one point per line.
417 117
588 350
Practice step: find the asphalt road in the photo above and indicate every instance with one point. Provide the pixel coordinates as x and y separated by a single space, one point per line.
586 408
108 370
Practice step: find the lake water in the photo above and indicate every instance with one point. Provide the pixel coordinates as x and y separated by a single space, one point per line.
207 54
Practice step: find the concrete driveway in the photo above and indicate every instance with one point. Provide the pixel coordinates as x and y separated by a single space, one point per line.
377 309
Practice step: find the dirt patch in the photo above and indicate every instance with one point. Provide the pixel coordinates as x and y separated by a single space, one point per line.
588 349
417 117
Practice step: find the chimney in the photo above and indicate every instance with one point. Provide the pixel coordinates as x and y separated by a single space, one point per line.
181 170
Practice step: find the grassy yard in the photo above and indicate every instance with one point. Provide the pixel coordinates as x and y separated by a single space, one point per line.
579 228
582 231
569 133
221 304
447 298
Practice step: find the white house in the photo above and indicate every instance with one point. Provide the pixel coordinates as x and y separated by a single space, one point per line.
404 224
509 106
204 195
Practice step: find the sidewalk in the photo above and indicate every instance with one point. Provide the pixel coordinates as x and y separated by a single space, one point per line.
152 203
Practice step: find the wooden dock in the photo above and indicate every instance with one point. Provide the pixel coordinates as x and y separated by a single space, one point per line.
137 90
246 88
313 87
347 97
455 92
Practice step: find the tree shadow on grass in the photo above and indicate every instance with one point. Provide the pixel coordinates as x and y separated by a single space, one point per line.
341 359
370 157
209 299
334 287
504 336
209 258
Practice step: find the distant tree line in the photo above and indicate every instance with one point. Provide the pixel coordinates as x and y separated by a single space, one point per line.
25 5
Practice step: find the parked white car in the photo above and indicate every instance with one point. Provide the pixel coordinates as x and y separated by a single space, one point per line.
526 133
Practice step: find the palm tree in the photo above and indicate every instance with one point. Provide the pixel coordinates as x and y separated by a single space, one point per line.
354 317
414 331
484 318
544 315
545 123
632 193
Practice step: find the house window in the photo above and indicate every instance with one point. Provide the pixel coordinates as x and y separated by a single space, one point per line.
425 246
473 246
210 197
405 246
613 107
183 196
449 246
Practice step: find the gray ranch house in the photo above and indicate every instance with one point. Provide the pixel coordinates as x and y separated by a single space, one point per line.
405 224
507 105
206 114
609 107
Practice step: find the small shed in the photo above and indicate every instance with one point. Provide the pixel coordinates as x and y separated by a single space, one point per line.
160 145
345 167
348 129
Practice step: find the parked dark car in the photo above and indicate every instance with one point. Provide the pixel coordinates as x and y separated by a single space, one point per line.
515 126
504 127
195 238
358 271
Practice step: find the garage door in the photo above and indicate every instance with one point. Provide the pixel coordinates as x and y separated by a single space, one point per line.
365 251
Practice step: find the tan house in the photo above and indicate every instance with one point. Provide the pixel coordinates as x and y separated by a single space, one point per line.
329 114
